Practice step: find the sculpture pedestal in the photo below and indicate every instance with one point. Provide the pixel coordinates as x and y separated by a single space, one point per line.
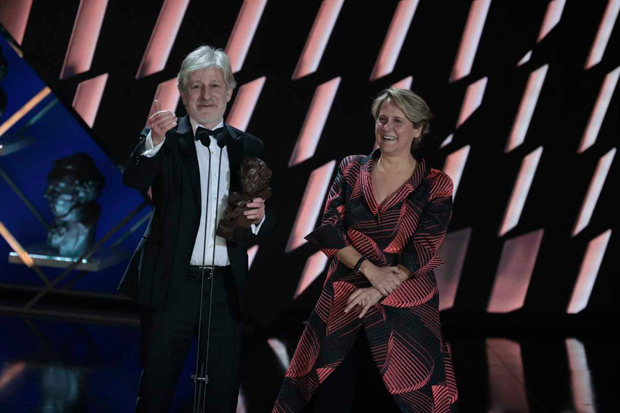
44 256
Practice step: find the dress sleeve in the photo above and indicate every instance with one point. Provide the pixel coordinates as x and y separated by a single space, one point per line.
331 235
420 254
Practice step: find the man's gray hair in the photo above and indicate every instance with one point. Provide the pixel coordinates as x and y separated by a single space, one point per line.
204 57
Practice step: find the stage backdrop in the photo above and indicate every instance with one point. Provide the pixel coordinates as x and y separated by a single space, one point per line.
526 123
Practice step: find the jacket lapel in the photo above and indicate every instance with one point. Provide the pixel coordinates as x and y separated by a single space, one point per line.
189 156
366 181
235 157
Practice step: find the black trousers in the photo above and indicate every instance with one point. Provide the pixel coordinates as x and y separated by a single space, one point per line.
167 336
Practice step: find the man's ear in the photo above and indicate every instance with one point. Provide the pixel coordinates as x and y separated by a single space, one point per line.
181 93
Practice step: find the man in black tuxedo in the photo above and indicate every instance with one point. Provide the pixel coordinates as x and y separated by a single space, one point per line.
190 165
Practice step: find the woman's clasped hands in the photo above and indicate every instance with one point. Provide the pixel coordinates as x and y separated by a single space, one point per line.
384 280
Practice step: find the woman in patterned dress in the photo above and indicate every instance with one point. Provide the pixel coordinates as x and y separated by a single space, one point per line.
385 217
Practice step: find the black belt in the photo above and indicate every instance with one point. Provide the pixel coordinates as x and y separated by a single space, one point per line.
195 271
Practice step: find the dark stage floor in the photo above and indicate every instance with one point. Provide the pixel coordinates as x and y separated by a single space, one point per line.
58 366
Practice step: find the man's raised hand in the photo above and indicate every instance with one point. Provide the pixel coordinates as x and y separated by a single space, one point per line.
160 121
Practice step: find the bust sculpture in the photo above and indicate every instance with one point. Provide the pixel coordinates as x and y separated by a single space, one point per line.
73 184
254 175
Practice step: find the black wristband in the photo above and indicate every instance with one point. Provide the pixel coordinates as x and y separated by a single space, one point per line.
358 265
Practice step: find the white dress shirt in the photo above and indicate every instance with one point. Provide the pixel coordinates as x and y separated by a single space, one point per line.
200 254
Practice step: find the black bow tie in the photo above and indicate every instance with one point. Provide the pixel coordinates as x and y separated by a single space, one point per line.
219 134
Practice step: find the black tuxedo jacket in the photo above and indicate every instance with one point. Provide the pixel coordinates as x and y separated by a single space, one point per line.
166 247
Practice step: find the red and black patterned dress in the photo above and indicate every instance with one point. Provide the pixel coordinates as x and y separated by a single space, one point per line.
403 329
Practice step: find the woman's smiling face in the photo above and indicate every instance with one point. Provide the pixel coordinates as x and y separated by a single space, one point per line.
394 133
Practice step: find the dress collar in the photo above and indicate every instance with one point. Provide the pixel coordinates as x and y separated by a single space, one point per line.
403 192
